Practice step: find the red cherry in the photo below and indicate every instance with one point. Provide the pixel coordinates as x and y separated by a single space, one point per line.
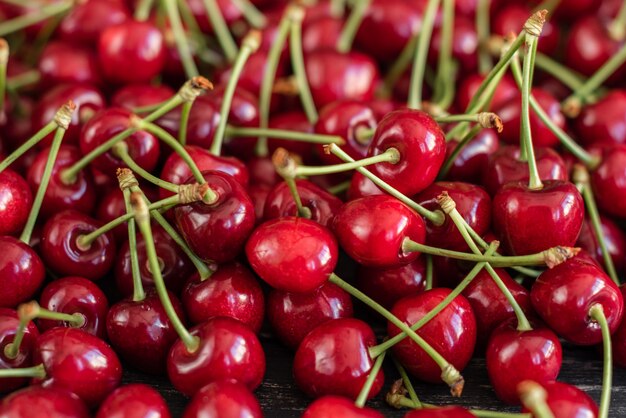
228 350
131 44
614 239
505 167
62 253
142 146
376 241
563 295
452 332
608 181
618 339
333 76
21 272
464 43
336 406
111 206
568 401
388 285
203 120
603 122
421 145
43 402
361 186
75 295
471 163
139 95
529 221
333 359
292 254
134 401
217 231
79 362
85 21
294 315
443 412
224 399
62 62
513 16
514 356
16 200
8 326
228 8
321 33
506 89
231 291
296 121
141 332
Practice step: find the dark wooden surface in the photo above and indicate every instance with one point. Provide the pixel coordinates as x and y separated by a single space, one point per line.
279 396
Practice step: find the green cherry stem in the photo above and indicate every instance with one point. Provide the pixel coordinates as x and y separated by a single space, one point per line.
269 75
286 167
297 62
27 78
484 119
250 44
436 217
340 188
564 74
596 313
567 141
420 55
237 131
369 382
405 383
449 162
346 38
534 397
142 12
125 180
188 92
398 67
429 272
224 37
38 372
4 61
337 8
35 16
617 27
142 218
580 176
391 156
449 374
185 113
62 119
482 31
442 87
41 134
253 16
120 150
571 106
182 44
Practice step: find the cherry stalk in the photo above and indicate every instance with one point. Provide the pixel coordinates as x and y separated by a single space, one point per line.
37 15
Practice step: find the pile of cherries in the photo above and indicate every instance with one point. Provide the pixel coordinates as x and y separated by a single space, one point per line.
464 161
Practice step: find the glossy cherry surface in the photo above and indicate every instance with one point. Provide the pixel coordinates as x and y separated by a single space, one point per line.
75 295
565 400
322 33
452 332
21 272
61 62
16 200
330 406
141 332
50 402
79 362
8 326
443 412
614 239
296 121
224 399
138 95
217 231
514 356
421 144
293 315
231 291
529 221
63 255
292 254
471 162
505 90
203 119
464 44
136 400
513 16
228 350
376 241
333 359
609 181
84 23
602 121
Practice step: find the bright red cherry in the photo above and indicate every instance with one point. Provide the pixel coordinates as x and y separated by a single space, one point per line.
321 33
203 120
464 44
294 315
230 12
443 412
111 206
131 44
224 399
506 89
514 356
62 62
292 254
333 359
134 401
603 121
8 326
79 362
296 121
84 23
46 402
361 186
471 163
228 350
63 253
529 221
16 200
21 272
568 401
330 406
609 181
217 231
614 239
232 290
563 295
452 332
421 144
374 240
512 17
138 95
141 332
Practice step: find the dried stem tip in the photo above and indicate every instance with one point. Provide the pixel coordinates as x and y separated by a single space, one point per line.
446 202
126 178
395 394
534 24
28 310
451 376
284 164
490 120
140 208
194 87
63 117
252 40
557 255
4 51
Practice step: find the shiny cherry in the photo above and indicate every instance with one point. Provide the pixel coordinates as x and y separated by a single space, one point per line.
609 181
21 272
330 406
16 200
333 359
111 206
374 240
232 290
512 18
224 399
361 186
45 402
321 33
619 339
296 121
79 362
452 332
614 239
292 254
230 12
565 401
203 120
61 62
8 326
136 400
228 350
602 121
138 95
464 44
471 163
506 89
442 412
563 295
84 23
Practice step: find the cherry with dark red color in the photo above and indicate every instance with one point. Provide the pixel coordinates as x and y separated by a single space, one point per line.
464 44
139 95
506 89
442 412
321 33
84 23
203 120
9 322
62 62
334 359
565 400
609 181
224 399
603 121
614 239
111 206
513 16
43 401
16 199
21 272
471 163
330 406
296 121
134 401
619 338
